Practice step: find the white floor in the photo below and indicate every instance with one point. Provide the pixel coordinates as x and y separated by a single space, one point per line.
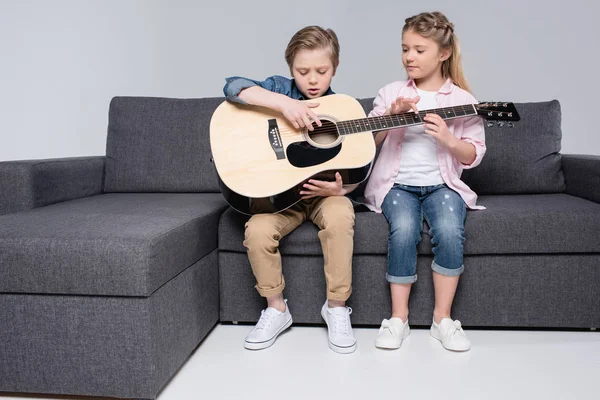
501 365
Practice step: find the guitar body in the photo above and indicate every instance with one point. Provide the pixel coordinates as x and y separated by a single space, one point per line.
263 161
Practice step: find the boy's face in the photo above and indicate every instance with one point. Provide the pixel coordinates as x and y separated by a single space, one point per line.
313 70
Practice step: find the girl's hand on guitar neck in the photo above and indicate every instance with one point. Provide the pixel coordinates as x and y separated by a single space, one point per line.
402 105
317 188
299 113
438 128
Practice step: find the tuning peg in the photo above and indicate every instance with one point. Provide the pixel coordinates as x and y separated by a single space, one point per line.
489 124
501 124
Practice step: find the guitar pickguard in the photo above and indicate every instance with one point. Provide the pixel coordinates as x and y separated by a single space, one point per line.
302 154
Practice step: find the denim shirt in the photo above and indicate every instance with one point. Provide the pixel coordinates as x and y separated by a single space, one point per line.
276 83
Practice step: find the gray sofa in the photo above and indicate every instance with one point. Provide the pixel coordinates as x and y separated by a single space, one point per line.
113 269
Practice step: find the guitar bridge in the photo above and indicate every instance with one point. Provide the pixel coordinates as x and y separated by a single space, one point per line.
275 139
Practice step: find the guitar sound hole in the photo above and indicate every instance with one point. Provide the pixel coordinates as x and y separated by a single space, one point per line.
324 135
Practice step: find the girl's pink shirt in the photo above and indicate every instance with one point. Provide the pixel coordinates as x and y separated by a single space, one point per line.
469 129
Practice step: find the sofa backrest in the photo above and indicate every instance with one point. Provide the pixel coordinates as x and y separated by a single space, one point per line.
519 160
160 145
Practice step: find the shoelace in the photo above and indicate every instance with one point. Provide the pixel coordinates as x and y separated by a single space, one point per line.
341 322
266 318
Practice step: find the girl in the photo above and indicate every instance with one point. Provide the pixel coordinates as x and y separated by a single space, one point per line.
417 175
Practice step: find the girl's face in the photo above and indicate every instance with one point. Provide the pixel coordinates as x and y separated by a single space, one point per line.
422 57
313 70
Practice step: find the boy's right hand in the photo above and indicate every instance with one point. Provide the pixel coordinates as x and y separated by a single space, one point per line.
402 105
299 113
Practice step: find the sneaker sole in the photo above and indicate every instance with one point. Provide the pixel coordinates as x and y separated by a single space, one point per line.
433 333
267 343
334 347
342 350
394 346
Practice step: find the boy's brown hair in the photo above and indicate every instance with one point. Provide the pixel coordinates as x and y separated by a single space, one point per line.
310 38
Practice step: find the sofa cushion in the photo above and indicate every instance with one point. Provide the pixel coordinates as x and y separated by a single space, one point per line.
511 224
523 159
160 145
520 160
111 244
533 224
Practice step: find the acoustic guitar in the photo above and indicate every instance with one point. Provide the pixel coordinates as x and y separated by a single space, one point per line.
263 161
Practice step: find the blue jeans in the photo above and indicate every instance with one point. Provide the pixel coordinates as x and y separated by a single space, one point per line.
445 213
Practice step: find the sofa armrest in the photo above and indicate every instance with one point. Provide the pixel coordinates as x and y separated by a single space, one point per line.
29 184
582 175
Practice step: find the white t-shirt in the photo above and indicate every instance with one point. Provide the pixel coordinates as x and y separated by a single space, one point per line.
419 164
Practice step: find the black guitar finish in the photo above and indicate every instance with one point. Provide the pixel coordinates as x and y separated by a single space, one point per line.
284 200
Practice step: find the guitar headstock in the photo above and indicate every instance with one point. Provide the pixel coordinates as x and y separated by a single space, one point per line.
498 111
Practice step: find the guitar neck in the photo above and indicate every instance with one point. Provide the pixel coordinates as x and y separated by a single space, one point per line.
403 119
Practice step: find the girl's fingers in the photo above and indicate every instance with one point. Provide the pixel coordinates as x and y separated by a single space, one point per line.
431 120
434 117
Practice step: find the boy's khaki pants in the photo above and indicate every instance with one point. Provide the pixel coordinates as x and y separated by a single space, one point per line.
333 215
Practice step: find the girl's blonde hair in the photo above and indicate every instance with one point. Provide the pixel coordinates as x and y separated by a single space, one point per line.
435 26
311 38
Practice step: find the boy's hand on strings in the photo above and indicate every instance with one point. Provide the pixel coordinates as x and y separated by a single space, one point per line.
315 188
436 127
402 105
299 113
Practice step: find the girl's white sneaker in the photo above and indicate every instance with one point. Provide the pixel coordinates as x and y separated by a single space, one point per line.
451 334
391 334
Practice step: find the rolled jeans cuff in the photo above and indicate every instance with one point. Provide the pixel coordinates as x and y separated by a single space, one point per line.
447 271
401 279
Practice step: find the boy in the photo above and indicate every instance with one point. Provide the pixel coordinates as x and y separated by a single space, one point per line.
312 56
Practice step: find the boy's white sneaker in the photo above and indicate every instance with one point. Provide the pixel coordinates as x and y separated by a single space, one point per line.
391 334
341 337
271 323
451 334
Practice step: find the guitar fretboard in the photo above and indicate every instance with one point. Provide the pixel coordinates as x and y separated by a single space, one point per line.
401 120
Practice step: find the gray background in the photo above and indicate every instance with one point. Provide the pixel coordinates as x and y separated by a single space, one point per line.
62 61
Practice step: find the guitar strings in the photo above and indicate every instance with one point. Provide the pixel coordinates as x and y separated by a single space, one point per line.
348 125
334 130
